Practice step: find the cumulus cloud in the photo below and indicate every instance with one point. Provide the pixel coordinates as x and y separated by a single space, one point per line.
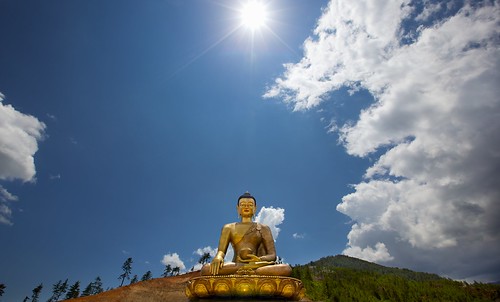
19 136
379 254
207 249
272 218
431 199
174 260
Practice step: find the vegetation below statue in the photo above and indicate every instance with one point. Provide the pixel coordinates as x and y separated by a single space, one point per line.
342 278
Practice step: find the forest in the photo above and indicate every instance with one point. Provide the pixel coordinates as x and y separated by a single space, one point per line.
342 278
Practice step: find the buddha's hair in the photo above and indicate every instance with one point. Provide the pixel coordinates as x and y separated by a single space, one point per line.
246 195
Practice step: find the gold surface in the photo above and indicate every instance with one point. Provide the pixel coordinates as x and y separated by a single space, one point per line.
245 286
253 245
253 271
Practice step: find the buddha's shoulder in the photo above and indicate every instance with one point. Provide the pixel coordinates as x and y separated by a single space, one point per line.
262 226
229 225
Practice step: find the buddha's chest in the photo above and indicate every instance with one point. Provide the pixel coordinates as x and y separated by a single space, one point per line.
247 233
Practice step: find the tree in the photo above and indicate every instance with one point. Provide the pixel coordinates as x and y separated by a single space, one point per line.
204 259
127 269
58 289
147 276
175 271
26 299
93 288
36 293
98 286
134 279
74 291
168 271
87 291
2 289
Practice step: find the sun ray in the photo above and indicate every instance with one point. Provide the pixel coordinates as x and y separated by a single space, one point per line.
202 53
281 41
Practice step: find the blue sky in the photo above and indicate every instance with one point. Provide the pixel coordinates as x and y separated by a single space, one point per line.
129 129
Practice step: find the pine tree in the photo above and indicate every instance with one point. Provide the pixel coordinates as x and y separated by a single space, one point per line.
36 293
74 291
147 276
2 289
134 279
97 286
58 289
205 258
88 290
175 271
168 271
127 269
93 288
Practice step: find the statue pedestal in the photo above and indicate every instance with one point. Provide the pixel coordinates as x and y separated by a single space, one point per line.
245 287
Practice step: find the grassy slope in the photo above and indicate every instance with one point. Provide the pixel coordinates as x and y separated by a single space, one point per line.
342 278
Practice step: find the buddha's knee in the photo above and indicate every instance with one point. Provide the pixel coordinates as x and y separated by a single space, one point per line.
205 270
275 270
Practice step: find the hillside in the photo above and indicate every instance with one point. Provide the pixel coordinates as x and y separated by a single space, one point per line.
342 261
342 278
333 278
159 289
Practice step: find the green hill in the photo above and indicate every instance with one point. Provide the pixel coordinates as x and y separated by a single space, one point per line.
343 278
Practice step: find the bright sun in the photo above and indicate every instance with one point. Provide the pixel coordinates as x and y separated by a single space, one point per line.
253 15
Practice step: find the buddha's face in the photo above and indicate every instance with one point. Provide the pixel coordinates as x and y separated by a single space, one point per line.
246 207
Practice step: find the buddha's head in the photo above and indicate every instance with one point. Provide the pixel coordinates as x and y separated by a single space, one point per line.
246 205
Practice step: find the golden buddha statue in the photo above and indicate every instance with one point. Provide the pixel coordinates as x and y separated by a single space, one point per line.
253 271
253 245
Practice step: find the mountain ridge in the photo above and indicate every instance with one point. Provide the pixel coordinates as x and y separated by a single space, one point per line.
343 261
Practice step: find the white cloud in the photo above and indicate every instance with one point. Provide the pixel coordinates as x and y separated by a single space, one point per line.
431 200
5 214
5 211
19 136
298 236
57 176
51 116
203 250
229 254
6 195
206 249
272 218
379 254
429 10
174 260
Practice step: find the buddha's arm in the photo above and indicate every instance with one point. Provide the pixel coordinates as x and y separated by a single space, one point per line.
218 260
267 240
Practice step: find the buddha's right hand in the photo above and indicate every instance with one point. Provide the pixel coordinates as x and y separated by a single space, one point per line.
216 264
